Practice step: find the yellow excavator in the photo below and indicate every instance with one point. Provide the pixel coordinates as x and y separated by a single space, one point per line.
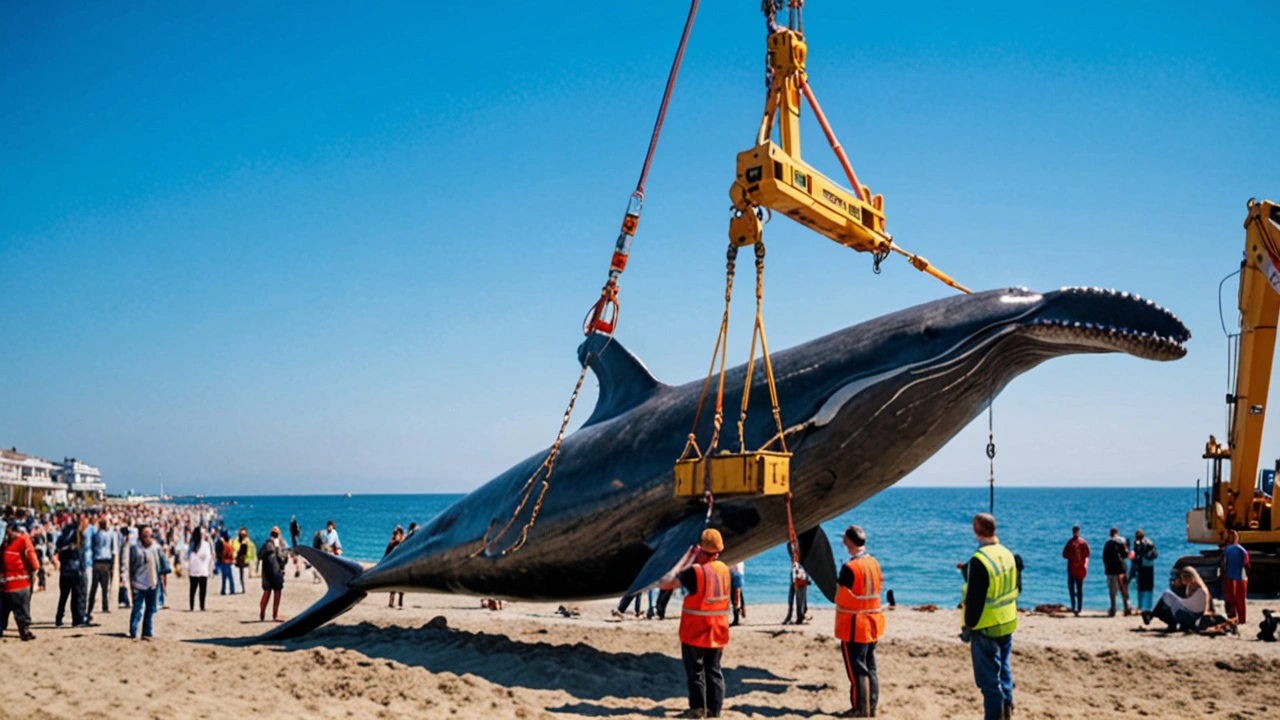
1242 500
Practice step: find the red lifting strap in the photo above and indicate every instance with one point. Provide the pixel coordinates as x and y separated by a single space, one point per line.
603 315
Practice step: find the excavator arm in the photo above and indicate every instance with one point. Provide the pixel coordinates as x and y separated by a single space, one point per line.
1259 304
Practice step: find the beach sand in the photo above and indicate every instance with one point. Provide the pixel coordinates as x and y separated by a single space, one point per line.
527 662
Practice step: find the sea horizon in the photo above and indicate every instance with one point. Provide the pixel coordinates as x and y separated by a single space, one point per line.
895 487
917 533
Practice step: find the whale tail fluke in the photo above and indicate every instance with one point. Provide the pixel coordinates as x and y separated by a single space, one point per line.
338 572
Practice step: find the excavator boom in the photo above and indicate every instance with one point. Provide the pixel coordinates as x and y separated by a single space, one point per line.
1236 500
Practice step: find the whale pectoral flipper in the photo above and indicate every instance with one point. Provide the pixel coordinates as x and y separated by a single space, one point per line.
816 557
673 551
338 572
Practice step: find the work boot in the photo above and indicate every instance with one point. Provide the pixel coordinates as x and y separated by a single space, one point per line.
863 708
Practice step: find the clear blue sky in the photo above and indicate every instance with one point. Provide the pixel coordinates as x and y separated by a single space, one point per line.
324 248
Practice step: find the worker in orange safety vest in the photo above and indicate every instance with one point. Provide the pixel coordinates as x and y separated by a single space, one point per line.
859 622
704 626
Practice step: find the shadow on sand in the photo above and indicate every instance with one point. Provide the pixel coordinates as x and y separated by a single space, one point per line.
579 669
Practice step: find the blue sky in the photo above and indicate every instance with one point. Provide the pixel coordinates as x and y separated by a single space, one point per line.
325 248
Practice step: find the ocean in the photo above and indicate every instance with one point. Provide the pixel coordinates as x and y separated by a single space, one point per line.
917 534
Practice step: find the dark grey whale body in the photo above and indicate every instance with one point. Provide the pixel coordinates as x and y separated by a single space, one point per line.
864 406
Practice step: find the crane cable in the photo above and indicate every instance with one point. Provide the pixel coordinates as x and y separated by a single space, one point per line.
602 317
606 306
991 455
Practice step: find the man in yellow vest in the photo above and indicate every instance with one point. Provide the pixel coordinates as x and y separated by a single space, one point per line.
704 626
859 622
990 616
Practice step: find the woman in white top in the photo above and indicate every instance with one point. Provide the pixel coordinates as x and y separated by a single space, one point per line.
1183 612
199 561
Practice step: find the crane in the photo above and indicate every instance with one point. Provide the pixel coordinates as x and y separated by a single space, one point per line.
772 177
1242 500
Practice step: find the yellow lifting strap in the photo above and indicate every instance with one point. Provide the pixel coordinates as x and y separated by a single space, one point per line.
758 472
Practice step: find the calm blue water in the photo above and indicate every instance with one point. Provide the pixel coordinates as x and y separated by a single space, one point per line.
918 534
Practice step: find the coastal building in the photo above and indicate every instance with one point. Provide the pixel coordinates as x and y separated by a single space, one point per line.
83 482
28 480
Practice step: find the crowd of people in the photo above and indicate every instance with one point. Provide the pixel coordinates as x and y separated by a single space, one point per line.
88 550
1125 565
138 549
1130 568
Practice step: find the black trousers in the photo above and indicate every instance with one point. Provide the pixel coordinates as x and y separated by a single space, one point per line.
71 585
664 597
200 585
706 680
101 579
798 598
18 603
864 684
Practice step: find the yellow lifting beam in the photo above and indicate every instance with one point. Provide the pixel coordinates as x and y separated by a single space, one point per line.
774 177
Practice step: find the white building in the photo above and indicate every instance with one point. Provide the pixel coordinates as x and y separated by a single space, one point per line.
82 482
28 480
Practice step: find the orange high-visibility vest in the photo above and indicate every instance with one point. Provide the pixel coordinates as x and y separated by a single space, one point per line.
858 616
704 619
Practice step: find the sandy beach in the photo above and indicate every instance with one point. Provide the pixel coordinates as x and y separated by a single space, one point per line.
525 661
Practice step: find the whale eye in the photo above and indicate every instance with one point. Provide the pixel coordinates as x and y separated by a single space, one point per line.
930 332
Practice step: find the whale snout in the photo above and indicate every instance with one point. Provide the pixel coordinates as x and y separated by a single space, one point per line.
1098 320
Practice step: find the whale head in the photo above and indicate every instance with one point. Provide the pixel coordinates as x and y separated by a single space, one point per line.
872 402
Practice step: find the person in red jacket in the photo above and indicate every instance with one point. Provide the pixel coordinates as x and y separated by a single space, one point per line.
704 626
18 563
1076 552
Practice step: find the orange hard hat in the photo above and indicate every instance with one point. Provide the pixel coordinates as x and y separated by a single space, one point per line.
711 541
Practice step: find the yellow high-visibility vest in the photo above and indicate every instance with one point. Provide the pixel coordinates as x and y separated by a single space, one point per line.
1000 610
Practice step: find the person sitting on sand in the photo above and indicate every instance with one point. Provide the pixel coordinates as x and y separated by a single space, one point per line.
274 562
704 626
331 542
1183 612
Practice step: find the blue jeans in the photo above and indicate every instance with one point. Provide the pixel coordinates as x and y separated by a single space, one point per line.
991 672
142 598
1075 589
228 579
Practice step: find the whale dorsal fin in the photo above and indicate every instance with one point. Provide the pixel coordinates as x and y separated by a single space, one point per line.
624 381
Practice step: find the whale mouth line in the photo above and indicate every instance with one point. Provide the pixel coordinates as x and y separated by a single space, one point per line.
1086 319
1110 321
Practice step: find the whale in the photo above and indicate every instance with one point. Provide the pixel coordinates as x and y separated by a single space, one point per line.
861 407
